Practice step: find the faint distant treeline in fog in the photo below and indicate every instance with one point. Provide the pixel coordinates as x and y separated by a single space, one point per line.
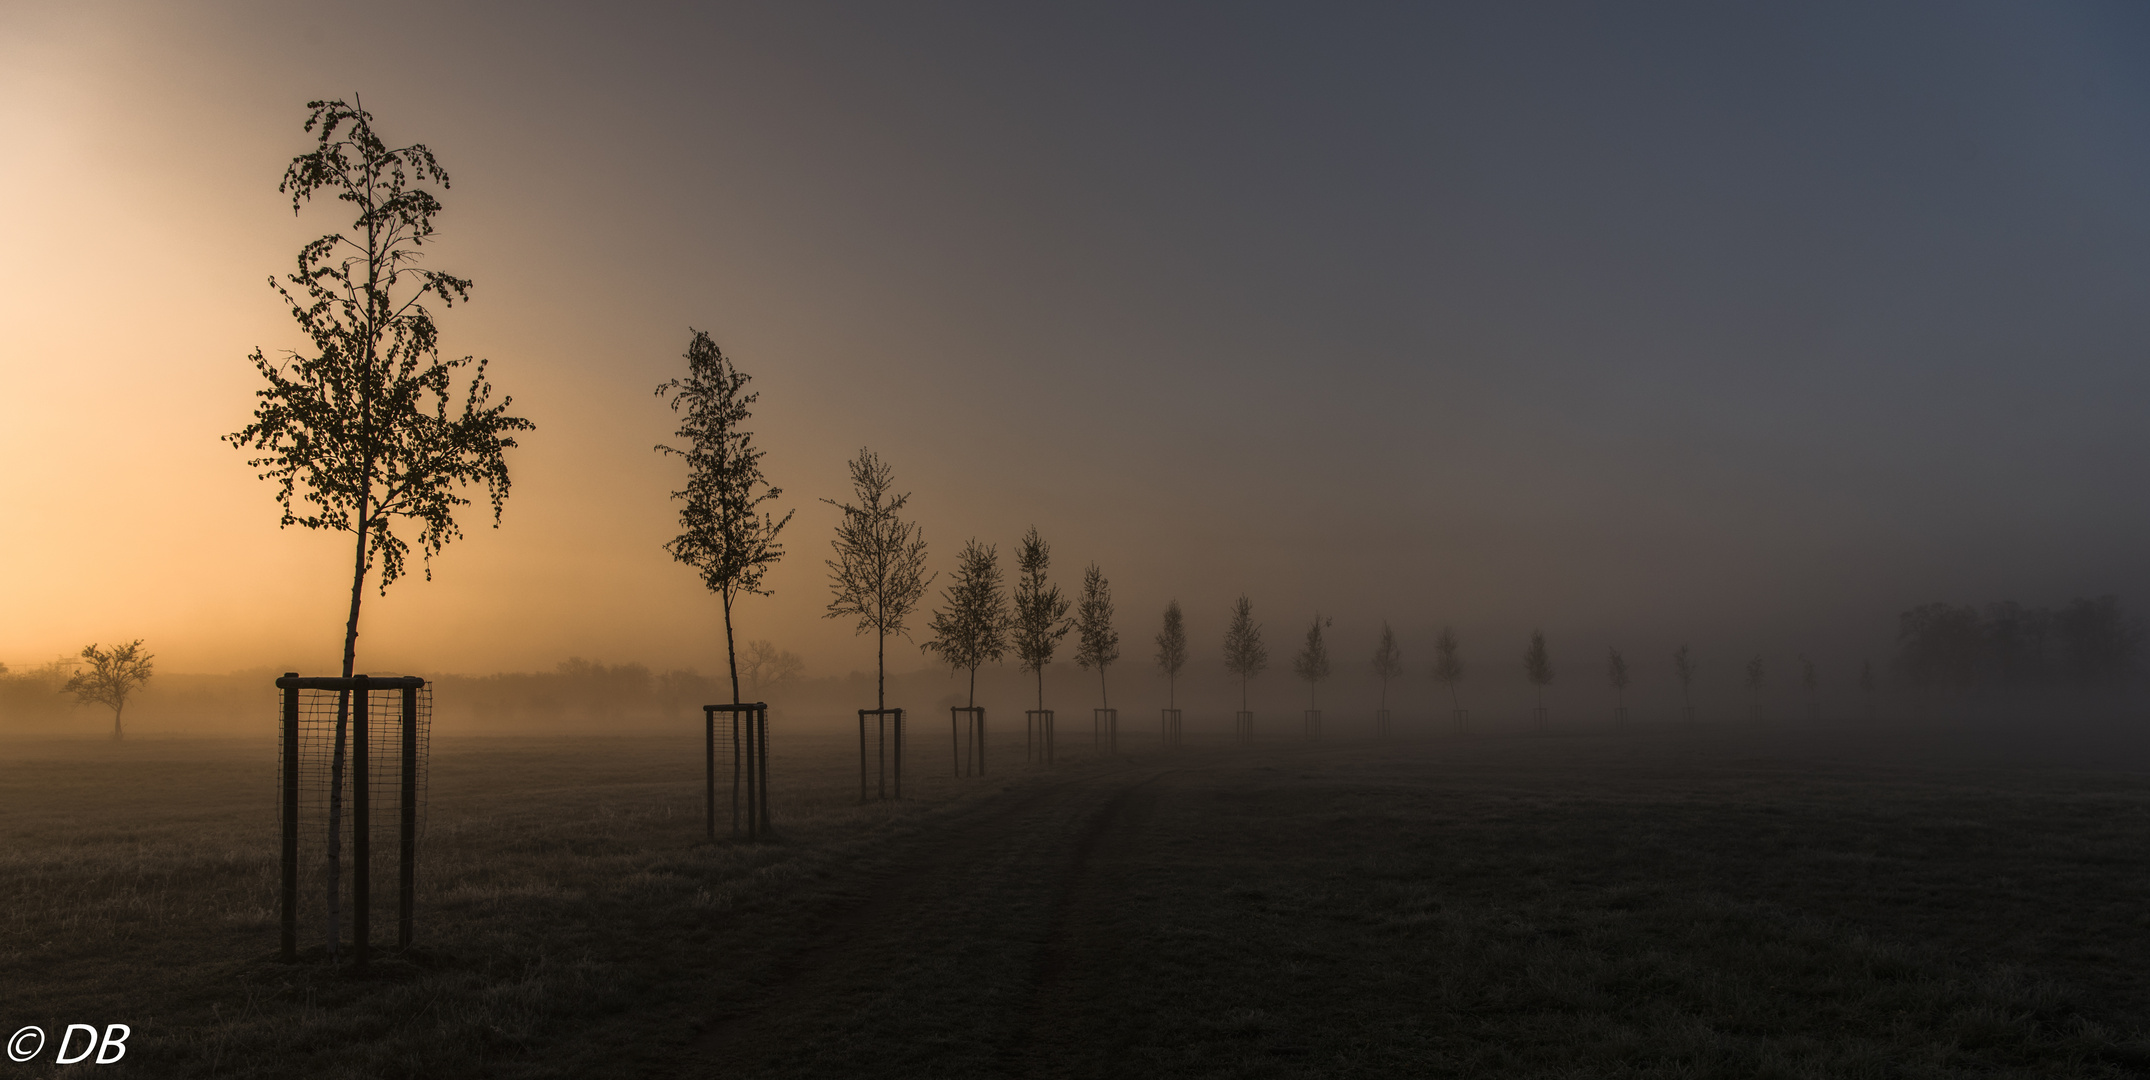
2001 662
2089 644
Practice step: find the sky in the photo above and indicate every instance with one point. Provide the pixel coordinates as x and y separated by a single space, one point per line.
1748 326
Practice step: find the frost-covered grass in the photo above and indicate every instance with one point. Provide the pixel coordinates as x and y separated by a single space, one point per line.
1656 904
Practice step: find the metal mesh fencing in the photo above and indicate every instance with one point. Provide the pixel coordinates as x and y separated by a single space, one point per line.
331 733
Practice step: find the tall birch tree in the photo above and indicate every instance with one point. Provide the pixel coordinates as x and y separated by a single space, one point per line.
879 572
367 426
724 534
971 627
1172 650
1388 661
1041 613
1244 653
1312 663
1097 644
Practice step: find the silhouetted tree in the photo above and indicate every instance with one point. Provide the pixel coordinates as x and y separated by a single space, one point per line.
879 572
1097 644
1312 663
971 628
1754 684
1616 674
1388 661
1448 667
2017 642
2098 640
765 665
362 428
1244 654
113 674
1868 685
1040 611
724 535
1172 650
1538 667
1683 667
1939 646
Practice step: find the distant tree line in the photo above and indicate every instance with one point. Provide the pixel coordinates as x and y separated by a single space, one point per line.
2088 643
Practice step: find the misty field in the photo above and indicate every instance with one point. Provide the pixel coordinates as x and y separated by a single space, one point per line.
1675 903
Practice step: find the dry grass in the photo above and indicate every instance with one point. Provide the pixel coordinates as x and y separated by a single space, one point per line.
1664 905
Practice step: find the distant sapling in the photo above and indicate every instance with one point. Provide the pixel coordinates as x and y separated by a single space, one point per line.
113 675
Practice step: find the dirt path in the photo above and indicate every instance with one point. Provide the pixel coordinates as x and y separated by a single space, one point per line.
979 952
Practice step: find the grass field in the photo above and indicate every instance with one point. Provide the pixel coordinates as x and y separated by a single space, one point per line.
1665 904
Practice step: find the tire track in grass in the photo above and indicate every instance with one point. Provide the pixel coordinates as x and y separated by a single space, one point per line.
923 970
1067 1025
869 904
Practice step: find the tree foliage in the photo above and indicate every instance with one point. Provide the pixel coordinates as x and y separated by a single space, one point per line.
2089 642
367 427
879 572
764 665
1041 613
724 534
113 675
971 627
1448 661
1244 653
1537 661
1312 663
1388 660
1172 648
1097 644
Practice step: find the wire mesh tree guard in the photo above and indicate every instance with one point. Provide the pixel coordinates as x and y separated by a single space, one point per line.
1105 730
1038 735
1243 725
1313 725
1171 729
887 723
747 725
966 732
381 721
1381 723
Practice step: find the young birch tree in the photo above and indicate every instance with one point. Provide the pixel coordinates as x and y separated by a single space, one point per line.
879 572
1244 654
1041 613
1448 667
971 628
1312 663
366 427
1388 661
724 533
1538 667
113 676
1097 644
1172 651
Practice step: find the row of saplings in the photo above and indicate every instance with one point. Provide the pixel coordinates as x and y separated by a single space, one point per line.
371 427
